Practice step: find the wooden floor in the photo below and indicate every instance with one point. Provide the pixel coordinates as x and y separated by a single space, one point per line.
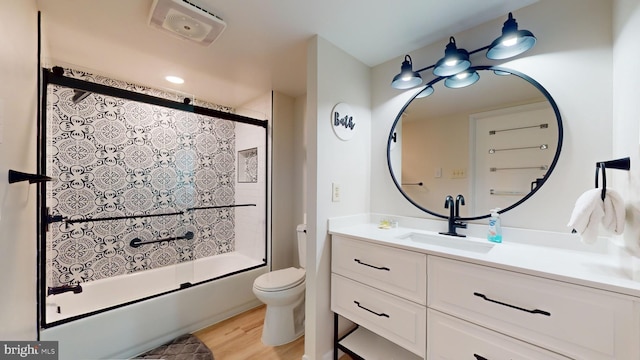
238 338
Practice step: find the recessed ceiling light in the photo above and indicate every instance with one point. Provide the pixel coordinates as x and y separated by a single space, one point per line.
174 79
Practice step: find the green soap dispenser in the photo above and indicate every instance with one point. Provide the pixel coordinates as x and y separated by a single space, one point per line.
495 231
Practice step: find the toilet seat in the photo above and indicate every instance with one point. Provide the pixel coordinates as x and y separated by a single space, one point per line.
280 279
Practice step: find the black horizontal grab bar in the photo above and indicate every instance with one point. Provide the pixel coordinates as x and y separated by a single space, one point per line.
73 221
218 207
534 311
136 243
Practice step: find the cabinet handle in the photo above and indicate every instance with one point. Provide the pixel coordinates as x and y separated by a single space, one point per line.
375 267
369 310
478 357
534 311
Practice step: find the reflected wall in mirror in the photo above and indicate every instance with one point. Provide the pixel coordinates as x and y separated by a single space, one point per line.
495 142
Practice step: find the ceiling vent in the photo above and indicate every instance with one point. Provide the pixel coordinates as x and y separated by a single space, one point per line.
187 20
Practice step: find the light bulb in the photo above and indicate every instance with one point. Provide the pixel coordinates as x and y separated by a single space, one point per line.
462 75
510 41
452 62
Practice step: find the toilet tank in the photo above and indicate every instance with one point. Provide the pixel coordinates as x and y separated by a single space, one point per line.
302 244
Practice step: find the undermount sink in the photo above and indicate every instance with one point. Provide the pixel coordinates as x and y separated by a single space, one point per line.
458 243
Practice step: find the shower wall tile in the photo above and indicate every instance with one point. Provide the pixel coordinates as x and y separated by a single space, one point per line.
112 157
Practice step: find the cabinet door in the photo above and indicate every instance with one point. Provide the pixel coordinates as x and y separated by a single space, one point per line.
575 321
454 339
397 271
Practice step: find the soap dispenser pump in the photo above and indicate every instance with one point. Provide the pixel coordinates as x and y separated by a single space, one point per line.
495 231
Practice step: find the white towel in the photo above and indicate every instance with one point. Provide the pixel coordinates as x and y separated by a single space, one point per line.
590 211
614 212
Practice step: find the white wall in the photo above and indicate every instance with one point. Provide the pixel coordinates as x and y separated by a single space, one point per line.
284 225
299 169
626 111
572 60
332 77
18 104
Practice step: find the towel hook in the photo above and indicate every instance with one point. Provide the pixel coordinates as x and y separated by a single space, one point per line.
620 164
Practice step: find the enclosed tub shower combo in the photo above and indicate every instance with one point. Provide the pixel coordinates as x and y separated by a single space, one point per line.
150 192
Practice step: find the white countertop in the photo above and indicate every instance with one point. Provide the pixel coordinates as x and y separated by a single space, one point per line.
604 267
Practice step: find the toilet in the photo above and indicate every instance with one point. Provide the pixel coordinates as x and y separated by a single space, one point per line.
283 293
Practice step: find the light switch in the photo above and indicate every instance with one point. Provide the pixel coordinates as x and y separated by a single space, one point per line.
437 173
335 192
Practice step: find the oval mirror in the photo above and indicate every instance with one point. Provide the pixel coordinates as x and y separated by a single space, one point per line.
495 142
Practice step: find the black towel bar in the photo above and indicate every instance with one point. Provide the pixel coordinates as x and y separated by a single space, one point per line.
620 164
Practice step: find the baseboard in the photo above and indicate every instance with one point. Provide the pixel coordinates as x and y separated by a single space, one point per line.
326 356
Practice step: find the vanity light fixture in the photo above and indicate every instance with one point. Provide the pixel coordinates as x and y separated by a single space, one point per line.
512 42
174 79
425 92
407 78
462 79
456 61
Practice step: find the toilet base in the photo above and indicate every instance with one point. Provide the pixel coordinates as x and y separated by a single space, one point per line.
283 324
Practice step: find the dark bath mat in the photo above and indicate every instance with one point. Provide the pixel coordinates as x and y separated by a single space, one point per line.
185 347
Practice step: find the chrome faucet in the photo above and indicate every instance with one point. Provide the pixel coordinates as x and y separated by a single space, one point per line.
454 215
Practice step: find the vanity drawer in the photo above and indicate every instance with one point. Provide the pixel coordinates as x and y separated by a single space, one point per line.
452 338
400 272
400 321
572 320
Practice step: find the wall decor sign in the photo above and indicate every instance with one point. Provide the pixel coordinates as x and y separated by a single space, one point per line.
343 122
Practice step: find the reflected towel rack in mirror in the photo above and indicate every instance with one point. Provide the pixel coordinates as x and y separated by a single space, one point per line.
541 126
506 193
541 147
541 167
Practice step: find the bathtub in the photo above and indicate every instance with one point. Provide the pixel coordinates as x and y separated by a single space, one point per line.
104 294
126 331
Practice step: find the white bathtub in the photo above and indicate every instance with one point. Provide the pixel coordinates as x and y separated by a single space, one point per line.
111 292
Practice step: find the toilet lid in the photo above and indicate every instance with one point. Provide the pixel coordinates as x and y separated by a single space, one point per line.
280 279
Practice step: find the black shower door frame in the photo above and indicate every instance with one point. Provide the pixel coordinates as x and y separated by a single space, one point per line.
56 76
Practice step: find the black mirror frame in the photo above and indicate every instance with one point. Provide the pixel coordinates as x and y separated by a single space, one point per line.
538 182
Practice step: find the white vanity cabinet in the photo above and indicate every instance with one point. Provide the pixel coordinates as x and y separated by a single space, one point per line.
414 304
